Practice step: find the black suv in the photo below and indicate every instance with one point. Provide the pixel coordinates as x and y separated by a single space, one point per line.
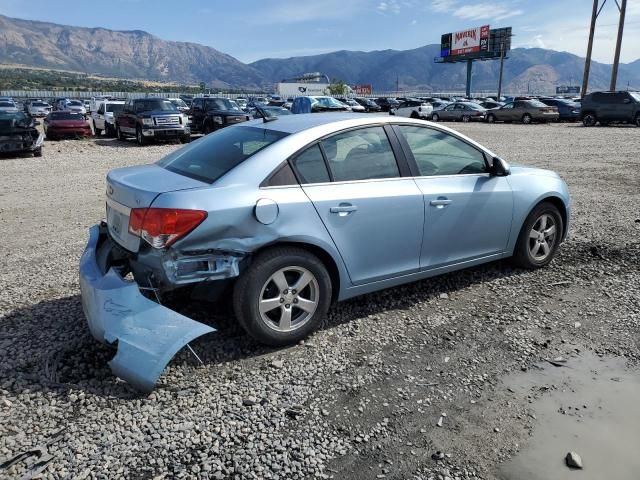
387 104
208 114
151 119
607 107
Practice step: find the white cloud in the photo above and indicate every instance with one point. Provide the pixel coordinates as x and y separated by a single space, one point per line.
390 6
475 11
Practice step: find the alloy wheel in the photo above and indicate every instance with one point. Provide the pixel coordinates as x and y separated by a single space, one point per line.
466 118
288 299
526 119
542 237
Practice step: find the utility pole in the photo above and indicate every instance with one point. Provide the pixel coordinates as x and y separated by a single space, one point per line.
469 67
501 67
616 58
587 61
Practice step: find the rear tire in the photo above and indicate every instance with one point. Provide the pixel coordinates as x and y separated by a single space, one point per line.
185 139
435 117
414 115
119 134
108 130
207 128
637 120
539 237
491 118
466 118
526 119
37 152
589 120
272 276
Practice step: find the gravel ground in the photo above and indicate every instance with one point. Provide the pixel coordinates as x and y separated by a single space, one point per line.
360 399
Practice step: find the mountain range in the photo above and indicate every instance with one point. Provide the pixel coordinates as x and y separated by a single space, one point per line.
140 55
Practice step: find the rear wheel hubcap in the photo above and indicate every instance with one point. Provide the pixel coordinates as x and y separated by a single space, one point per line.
288 299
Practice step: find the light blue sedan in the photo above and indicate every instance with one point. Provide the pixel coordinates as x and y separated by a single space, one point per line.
284 216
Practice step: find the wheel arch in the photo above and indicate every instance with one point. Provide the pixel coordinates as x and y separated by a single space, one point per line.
323 255
557 202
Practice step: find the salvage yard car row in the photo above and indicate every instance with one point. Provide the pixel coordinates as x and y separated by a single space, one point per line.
151 118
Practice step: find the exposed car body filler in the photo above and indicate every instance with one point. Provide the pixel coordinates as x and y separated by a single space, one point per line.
148 334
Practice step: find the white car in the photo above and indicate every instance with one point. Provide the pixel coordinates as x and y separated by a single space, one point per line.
96 101
179 104
74 106
38 108
103 116
413 109
8 107
353 105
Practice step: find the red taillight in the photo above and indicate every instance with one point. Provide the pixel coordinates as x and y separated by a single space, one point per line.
160 227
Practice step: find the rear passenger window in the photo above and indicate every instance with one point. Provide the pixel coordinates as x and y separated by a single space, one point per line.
361 154
439 153
311 167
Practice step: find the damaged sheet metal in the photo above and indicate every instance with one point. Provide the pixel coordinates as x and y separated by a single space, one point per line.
148 334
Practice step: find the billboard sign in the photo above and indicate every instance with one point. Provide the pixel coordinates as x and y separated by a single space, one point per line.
473 40
366 89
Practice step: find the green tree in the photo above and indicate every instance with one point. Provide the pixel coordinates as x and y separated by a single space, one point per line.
337 87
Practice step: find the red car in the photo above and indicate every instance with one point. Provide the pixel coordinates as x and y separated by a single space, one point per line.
66 124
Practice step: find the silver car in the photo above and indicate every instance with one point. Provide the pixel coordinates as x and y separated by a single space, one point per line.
282 217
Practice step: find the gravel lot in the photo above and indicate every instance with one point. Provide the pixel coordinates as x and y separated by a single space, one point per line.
360 399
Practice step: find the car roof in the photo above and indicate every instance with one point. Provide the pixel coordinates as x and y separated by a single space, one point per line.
338 120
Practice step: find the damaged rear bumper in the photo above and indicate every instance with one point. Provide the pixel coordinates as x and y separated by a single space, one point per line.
148 334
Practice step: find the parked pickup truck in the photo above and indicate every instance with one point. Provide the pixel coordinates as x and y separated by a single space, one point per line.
208 114
103 116
149 119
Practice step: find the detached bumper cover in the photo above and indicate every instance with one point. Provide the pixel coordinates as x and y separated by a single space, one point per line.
148 334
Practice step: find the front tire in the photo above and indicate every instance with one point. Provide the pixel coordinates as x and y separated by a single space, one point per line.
119 134
97 131
435 117
37 152
491 118
283 296
140 137
526 119
466 118
637 120
589 120
185 139
539 237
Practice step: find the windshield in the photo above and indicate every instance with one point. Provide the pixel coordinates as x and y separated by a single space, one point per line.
114 107
221 104
74 103
17 116
635 96
154 104
328 102
39 104
65 116
178 102
6 104
211 157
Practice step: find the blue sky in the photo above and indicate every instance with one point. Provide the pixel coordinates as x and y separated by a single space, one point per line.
254 29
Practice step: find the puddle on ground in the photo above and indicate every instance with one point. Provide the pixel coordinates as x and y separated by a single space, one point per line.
606 434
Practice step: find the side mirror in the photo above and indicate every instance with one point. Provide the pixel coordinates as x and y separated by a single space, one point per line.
499 167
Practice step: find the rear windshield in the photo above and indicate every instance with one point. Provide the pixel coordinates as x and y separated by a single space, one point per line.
635 95
211 157
65 116
536 103
114 107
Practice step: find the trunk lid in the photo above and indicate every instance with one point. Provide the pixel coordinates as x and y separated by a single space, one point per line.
138 187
